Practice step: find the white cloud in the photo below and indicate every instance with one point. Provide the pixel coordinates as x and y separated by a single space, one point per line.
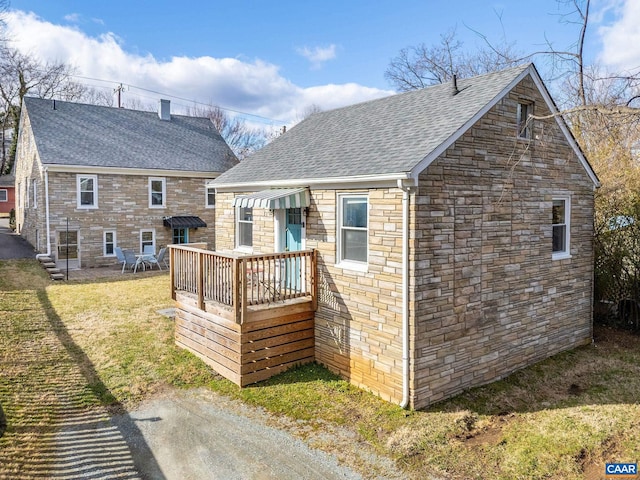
318 55
255 87
72 17
620 38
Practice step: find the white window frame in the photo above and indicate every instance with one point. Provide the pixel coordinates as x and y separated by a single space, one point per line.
27 203
566 253
209 191
525 125
104 243
79 179
344 262
35 194
239 246
164 192
6 195
153 238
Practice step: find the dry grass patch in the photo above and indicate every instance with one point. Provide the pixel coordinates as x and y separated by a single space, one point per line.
562 418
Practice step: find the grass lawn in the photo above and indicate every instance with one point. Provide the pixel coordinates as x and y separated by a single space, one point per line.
105 343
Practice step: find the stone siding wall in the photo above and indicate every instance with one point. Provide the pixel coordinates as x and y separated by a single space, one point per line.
358 322
263 227
359 317
30 215
487 297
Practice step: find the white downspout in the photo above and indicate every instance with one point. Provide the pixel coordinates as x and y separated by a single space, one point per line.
405 294
46 203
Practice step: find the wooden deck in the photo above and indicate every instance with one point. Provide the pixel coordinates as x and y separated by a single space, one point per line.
248 317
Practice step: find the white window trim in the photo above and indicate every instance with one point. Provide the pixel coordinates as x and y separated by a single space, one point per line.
6 195
153 237
27 203
567 212
35 194
164 192
243 248
79 178
206 195
350 264
104 243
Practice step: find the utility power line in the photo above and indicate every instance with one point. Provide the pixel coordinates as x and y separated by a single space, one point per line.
120 86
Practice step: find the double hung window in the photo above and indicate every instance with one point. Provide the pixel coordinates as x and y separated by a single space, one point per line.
157 192
87 186
561 219
353 231
245 227
109 243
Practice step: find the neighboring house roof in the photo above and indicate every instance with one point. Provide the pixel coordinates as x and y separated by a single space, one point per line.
392 137
80 135
7 181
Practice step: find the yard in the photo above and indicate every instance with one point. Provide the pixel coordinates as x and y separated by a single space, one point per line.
102 348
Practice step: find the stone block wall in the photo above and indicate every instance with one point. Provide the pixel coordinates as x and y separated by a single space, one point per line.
359 317
358 322
488 298
123 207
263 226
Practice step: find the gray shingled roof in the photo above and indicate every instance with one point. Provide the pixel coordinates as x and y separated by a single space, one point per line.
385 136
90 135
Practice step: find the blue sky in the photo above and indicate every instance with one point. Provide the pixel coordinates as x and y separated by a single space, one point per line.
275 59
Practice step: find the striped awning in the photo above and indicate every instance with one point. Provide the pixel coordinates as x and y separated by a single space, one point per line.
275 198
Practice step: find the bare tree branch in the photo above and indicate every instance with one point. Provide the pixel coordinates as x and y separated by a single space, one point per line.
419 66
22 74
242 139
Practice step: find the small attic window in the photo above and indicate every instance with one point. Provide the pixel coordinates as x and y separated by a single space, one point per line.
525 123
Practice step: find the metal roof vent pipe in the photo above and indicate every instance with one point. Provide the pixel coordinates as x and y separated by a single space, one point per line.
164 109
454 85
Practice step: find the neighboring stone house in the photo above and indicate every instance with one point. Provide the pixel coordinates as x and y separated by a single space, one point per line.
90 178
454 233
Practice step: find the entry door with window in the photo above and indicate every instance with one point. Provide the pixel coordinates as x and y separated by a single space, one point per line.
68 249
293 243
180 235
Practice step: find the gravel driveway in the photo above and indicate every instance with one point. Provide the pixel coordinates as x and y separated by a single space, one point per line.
196 434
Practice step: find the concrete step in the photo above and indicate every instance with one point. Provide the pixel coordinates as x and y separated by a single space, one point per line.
45 260
53 270
57 276
49 265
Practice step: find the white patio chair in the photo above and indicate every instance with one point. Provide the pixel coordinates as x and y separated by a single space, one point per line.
131 261
120 257
156 260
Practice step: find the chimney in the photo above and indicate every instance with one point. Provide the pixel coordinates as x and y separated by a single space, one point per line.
454 85
164 109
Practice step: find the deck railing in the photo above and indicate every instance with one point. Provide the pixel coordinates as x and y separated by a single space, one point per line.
240 281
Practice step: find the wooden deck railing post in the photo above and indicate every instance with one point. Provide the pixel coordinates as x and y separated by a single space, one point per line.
172 271
235 285
243 289
314 279
200 280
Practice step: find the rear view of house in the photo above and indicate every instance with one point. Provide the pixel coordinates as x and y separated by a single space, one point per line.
90 178
452 231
